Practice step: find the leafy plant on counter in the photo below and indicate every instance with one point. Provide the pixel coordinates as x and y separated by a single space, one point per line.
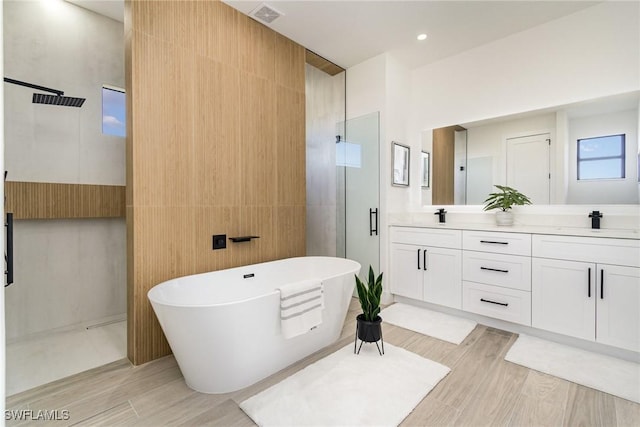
505 199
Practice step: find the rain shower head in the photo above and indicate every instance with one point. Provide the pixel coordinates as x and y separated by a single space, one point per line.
66 101
41 98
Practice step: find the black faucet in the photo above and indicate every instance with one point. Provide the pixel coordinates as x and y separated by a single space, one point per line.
595 219
441 213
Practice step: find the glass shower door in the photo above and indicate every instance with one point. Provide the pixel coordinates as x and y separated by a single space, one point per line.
358 154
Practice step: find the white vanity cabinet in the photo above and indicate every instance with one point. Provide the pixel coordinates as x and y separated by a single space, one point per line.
588 288
496 274
426 265
580 286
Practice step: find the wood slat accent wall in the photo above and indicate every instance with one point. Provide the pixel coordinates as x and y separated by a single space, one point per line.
48 200
215 145
322 64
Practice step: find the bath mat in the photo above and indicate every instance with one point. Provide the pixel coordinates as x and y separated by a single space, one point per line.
428 322
345 389
605 373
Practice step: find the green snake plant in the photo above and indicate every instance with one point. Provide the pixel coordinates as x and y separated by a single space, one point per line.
369 295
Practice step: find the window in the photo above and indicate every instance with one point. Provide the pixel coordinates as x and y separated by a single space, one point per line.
113 111
601 157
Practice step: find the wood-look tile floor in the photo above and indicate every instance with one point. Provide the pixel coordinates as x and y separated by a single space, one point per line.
482 389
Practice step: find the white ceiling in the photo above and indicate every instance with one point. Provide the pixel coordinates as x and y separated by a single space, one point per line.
114 9
349 32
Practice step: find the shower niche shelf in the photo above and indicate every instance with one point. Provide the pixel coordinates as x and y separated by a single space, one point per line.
49 200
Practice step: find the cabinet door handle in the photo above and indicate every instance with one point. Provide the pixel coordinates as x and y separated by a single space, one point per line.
494 302
589 284
419 259
602 283
424 260
493 242
494 269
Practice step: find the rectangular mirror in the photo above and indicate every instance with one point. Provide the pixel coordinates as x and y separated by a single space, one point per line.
425 173
400 164
537 153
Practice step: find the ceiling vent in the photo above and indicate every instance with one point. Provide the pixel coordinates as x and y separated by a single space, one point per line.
265 14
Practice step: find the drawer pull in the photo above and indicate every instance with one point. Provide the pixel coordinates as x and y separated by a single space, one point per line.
494 269
494 302
493 242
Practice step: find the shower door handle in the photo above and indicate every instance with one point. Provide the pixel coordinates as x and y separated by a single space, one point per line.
373 224
9 254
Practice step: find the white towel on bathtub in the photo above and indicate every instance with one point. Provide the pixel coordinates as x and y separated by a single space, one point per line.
301 305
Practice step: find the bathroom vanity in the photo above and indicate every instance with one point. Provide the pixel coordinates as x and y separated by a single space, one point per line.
569 281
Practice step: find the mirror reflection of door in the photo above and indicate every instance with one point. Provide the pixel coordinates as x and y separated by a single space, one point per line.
528 166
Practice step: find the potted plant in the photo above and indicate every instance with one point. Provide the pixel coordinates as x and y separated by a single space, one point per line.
504 200
369 323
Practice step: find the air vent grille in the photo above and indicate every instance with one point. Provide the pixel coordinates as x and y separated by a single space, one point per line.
265 13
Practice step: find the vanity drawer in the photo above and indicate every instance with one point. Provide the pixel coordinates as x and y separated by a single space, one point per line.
500 303
497 242
441 238
511 271
588 249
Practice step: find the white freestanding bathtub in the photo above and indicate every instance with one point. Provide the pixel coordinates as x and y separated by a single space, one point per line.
224 326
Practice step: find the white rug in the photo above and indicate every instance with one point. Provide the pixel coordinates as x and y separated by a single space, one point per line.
438 325
345 389
608 374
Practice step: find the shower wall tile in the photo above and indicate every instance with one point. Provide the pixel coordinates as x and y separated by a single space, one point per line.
216 146
321 230
66 273
324 112
75 51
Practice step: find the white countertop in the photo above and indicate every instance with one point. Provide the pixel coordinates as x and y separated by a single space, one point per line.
532 229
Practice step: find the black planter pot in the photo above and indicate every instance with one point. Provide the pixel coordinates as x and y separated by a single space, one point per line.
369 331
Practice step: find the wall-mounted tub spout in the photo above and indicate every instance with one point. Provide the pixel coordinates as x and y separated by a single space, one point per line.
243 238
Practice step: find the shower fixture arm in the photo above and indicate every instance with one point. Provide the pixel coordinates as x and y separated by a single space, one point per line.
32 86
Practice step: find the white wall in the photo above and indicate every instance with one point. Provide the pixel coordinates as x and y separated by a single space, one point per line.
604 191
383 84
589 54
67 271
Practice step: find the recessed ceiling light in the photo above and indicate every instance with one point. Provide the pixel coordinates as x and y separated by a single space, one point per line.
422 36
